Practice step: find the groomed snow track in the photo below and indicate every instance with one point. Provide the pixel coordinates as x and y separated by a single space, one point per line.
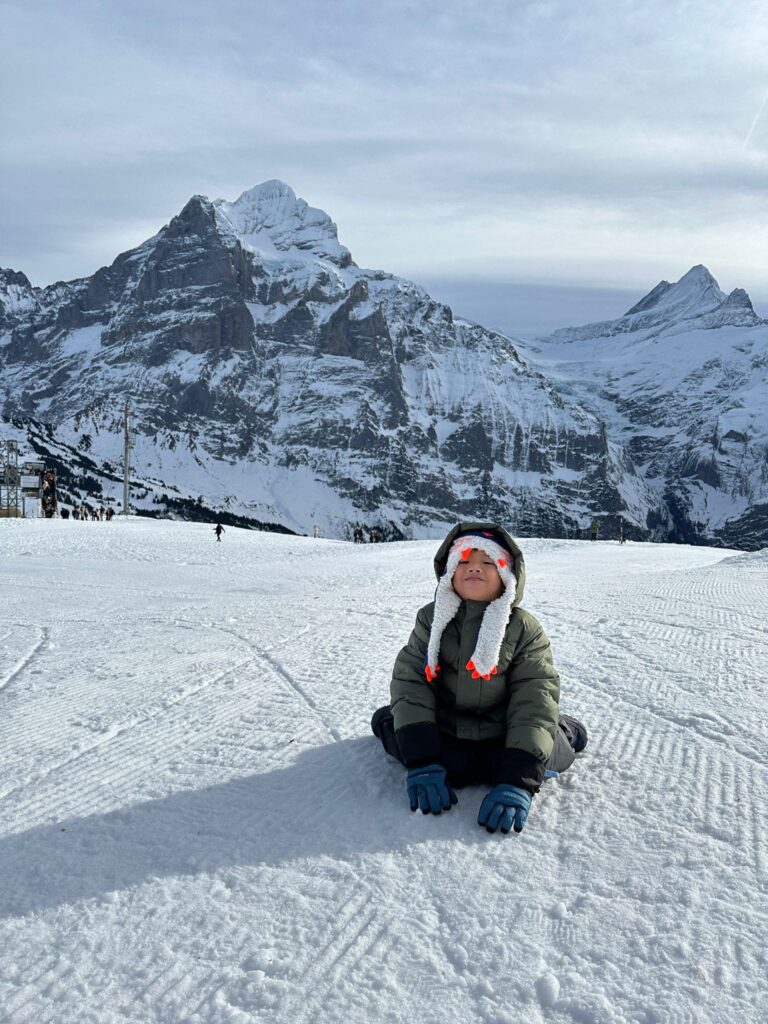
197 826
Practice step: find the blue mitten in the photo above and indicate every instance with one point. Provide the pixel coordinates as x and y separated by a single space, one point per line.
505 807
428 789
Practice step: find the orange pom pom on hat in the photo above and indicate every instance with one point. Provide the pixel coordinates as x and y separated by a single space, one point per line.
485 658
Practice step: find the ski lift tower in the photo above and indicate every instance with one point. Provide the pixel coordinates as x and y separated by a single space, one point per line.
10 479
126 465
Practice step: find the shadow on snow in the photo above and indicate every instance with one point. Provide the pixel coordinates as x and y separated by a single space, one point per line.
339 801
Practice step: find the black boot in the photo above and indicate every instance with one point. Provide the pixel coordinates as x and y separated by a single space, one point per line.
383 727
576 732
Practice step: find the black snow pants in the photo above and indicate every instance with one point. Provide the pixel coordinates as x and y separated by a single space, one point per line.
476 762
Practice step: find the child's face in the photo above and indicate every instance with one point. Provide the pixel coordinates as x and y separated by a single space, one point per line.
478 579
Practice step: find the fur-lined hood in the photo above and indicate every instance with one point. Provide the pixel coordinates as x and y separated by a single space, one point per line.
500 535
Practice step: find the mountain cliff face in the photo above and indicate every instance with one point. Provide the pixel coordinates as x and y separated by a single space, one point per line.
270 376
681 382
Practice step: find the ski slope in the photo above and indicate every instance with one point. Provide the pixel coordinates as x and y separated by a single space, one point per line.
197 826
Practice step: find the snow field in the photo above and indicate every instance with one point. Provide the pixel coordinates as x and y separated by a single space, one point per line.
197 826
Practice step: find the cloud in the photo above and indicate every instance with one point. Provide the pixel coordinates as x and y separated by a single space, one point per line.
548 138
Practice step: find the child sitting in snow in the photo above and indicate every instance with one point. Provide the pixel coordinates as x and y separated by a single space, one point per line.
474 692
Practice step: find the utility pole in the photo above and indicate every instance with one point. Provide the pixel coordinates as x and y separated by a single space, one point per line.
126 463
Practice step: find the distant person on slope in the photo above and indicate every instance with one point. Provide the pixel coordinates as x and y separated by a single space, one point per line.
595 528
218 530
474 693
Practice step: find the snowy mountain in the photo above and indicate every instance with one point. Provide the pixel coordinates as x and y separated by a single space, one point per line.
680 382
197 825
271 376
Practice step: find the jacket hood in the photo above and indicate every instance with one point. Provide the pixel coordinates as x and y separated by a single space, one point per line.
500 535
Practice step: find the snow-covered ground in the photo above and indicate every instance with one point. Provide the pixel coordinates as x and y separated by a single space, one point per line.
198 827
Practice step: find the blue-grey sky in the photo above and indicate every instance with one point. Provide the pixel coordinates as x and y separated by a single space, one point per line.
599 145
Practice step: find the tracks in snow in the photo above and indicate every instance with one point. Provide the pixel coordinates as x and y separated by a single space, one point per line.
23 664
118 748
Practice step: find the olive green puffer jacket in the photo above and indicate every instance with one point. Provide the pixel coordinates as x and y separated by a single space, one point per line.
519 704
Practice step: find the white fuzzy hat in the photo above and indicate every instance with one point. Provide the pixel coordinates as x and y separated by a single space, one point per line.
484 660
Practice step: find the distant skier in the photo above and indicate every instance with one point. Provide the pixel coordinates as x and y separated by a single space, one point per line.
218 530
595 528
358 535
493 719
621 531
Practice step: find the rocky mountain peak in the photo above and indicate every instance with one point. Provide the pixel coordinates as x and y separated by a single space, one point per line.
653 297
13 277
697 286
268 193
739 299
197 217
17 296
695 293
270 219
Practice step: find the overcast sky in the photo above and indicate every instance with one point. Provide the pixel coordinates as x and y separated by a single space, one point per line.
599 144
